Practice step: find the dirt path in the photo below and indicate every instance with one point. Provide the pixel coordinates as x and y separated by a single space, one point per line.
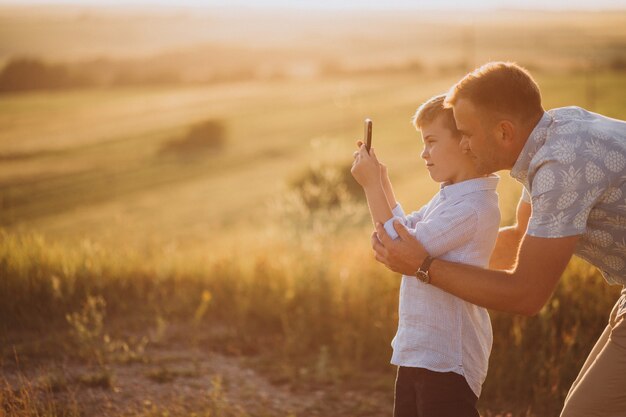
186 381
175 379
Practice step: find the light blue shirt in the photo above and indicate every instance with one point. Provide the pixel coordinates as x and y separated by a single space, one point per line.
573 168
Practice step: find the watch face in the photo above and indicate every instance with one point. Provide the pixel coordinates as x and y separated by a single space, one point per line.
422 276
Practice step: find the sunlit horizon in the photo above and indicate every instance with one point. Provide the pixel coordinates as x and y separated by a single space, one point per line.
353 5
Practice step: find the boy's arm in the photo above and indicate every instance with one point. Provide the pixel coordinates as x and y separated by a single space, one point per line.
504 255
384 177
366 170
378 203
387 188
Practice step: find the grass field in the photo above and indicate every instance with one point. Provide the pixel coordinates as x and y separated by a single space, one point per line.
87 164
138 279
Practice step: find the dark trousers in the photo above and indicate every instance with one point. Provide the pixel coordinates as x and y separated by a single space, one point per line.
424 393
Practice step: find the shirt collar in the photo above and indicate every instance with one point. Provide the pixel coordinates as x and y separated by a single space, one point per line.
459 189
535 140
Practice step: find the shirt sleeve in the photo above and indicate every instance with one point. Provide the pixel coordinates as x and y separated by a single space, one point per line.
453 226
416 217
525 196
562 197
408 221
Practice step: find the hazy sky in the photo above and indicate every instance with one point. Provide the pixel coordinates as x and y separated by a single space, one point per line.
352 4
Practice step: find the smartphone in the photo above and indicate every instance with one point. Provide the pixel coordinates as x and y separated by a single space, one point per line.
368 134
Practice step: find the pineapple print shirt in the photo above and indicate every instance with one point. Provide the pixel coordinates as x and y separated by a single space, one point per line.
573 168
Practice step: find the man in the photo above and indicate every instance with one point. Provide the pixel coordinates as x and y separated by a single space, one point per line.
572 164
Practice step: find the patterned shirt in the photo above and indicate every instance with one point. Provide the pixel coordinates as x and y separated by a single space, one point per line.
573 168
437 330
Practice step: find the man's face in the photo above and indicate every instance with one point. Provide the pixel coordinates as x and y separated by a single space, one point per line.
478 136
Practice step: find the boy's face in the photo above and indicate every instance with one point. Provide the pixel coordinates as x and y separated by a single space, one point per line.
445 160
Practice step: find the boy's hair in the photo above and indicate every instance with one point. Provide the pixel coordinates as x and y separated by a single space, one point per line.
430 110
501 88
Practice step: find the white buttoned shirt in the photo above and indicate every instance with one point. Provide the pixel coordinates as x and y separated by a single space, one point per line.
437 330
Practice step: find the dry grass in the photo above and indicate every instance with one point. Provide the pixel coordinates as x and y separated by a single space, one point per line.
319 311
260 250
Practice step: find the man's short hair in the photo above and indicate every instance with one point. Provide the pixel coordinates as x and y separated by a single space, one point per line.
430 110
503 88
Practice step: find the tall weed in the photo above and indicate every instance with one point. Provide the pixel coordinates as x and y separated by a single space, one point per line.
328 308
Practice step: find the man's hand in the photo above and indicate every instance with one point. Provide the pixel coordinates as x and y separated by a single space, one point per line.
404 255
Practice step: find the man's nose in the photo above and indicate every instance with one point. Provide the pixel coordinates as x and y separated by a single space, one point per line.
464 143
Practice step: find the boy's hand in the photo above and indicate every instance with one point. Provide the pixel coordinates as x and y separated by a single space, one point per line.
384 177
366 168
383 168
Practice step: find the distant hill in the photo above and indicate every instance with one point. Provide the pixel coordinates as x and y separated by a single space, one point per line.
88 46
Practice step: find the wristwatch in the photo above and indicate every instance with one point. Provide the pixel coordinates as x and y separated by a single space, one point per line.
422 273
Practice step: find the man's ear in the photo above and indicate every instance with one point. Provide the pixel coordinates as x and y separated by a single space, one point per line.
506 132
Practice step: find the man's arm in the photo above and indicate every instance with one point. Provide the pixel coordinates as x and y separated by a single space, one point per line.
504 254
524 290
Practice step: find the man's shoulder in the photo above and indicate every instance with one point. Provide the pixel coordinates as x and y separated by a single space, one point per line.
568 112
577 143
573 114
573 120
567 122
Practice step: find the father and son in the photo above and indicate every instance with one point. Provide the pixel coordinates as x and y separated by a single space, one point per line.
457 263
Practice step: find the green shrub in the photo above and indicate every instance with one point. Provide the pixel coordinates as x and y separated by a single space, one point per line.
24 74
321 201
323 187
207 136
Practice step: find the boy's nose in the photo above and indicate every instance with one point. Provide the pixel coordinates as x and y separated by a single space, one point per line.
424 154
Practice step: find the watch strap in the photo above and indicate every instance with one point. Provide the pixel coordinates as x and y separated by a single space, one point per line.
426 264
422 273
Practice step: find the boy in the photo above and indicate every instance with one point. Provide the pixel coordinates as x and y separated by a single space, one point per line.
443 343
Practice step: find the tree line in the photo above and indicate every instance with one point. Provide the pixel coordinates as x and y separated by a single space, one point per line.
27 74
